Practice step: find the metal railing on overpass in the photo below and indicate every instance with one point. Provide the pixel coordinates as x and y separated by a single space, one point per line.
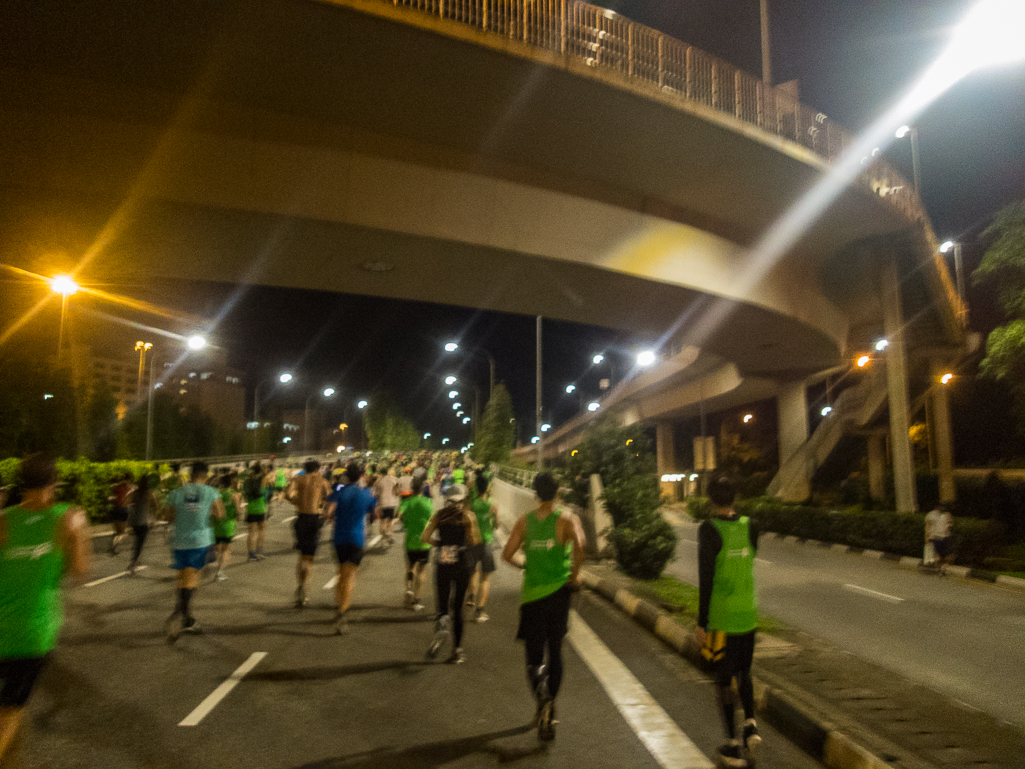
603 39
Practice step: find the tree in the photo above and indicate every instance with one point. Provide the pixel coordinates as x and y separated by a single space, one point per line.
387 428
1003 265
497 431
38 407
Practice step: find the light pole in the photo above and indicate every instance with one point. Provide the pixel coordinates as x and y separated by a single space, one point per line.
361 405
766 57
453 346
327 393
65 286
194 342
916 163
958 266
141 348
284 379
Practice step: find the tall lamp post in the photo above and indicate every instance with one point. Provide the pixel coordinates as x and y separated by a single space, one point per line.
65 286
954 246
194 342
453 346
916 162
327 393
283 378
141 348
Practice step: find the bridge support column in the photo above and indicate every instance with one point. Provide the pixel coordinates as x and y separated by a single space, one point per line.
897 389
792 405
940 435
665 453
877 465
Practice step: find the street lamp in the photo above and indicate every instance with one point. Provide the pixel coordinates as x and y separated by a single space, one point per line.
882 344
153 387
545 427
915 160
456 406
748 418
426 436
466 420
570 388
362 404
453 393
646 358
451 380
535 439
598 359
198 342
945 248
453 346
593 406
284 378
141 348
327 393
444 441
65 286
460 413
826 411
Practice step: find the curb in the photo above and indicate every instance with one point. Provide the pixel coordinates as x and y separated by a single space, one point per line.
798 723
907 562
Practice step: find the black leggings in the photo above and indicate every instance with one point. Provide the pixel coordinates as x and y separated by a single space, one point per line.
447 576
542 628
140 540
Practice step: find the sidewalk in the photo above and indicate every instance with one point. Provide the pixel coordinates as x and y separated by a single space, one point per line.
828 689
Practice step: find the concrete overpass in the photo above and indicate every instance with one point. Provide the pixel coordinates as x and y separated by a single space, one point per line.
579 166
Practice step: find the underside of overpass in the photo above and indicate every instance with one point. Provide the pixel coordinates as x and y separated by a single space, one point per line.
361 147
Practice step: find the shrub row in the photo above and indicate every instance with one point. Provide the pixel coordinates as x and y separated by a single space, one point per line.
898 533
85 483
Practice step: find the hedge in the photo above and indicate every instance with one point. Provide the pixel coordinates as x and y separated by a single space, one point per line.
898 533
85 483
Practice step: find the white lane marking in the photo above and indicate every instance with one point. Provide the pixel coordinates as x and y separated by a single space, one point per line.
669 746
373 542
243 535
286 520
112 576
331 582
874 593
222 691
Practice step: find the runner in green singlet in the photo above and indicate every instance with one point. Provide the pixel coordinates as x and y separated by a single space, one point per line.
553 545
256 510
224 528
728 615
482 558
39 541
414 512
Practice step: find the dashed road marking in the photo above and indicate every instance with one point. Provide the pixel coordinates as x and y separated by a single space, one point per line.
873 593
222 691
112 576
661 736
331 582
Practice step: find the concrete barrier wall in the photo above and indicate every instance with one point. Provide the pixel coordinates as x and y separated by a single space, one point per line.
512 502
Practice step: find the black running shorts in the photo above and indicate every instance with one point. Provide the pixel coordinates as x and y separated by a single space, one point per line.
256 518
740 650
417 556
348 553
387 513
17 677
483 554
546 618
307 533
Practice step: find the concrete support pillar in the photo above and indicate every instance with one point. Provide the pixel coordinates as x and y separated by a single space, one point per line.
877 465
897 389
940 436
665 453
792 405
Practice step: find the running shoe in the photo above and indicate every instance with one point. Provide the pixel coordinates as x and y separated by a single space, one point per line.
457 657
253 558
481 616
341 623
173 626
300 597
261 557
441 632
408 601
730 756
418 606
546 722
191 626
752 740
221 576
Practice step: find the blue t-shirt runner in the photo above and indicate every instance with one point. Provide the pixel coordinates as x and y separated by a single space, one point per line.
352 504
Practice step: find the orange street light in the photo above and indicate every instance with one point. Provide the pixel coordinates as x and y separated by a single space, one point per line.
863 361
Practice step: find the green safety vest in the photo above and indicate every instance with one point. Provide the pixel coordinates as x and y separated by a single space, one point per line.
548 564
733 607
31 566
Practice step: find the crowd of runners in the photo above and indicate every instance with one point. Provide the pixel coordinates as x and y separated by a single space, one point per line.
441 505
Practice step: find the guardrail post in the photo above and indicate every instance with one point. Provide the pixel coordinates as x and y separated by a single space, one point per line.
688 65
562 30
760 101
736 94
661 70
715 85
630 49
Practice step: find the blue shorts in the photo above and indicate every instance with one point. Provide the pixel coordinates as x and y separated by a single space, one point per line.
194 558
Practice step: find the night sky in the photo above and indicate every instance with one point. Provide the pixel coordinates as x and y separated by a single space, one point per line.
851 57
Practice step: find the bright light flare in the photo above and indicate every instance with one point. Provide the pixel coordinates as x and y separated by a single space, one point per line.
450 380
535 439
903 131
328 392
826 411
946 246
646 358
945 379
545 427
466 420
196 342
453 393
456 406
570 389
362 404
426 436
64 284
451 347
863 361
748 418
284 378
599 358
593 406
882 344
444 441
990 35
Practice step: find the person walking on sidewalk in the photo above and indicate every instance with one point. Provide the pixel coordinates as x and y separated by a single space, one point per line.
482 558
728 615
40 540
553 551
457 532
193 508
307 492
349 505
938 524
415 512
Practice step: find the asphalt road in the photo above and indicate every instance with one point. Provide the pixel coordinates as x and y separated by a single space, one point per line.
116 692
960 638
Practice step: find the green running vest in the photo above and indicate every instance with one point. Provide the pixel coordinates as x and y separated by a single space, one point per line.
482 509
733 607
548 563
31 566
225 527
